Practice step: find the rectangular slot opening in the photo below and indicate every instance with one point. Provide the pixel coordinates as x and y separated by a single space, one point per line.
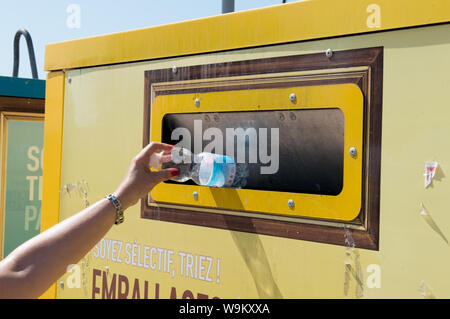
286 150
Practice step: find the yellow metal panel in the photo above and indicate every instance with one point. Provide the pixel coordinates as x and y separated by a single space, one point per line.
345 206
53 130
106 104
297 21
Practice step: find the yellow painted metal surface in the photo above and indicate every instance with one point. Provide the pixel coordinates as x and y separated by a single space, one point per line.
297 21
344 206
103 106
53 131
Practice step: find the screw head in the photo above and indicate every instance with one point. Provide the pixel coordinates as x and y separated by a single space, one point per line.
291 203
61 284
69 80
292 97
197 102
195 195
353 152
329 53
174 69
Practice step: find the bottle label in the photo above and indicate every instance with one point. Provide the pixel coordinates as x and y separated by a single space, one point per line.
223 170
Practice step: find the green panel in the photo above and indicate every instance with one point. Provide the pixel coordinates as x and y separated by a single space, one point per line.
19 87
23 182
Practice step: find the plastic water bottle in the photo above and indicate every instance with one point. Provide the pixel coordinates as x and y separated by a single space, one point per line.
208 169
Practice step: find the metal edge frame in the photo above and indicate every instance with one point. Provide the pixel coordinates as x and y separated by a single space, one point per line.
285 23
53 132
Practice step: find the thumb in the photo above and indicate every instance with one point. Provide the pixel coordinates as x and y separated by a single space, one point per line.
166 174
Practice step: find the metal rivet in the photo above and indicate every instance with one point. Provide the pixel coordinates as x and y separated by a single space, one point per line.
353 152
329 53
197 102
291 203
174 69
292 97
195 195
69 79
61 284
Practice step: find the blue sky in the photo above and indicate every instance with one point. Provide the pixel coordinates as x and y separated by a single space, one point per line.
47 21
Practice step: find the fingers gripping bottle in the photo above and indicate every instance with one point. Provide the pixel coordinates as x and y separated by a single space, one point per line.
207 169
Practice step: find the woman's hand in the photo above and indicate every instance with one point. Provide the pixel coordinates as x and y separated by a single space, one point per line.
140 180
36 264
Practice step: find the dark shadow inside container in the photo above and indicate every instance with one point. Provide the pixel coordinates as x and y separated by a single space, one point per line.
306 156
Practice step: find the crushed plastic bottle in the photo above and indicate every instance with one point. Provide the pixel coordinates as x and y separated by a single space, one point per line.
206 169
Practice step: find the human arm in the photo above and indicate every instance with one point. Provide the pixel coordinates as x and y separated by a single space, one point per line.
36 264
